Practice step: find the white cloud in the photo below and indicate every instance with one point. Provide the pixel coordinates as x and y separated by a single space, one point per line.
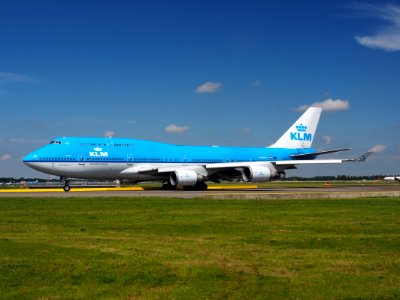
5 157
13 77
327 139
328 105
388 37
378 148
16 140
257 83
209 87
302 108
109 133
176 129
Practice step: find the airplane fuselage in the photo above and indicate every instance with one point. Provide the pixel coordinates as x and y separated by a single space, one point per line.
186 166
107 158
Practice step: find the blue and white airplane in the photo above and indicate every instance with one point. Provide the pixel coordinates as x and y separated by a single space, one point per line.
174 165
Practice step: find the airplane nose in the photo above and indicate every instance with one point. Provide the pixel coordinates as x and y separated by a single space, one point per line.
28 159
31 159
28 163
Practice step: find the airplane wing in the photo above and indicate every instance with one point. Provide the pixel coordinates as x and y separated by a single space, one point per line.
160 170
309 162
234 170
279 166
314 154
360 158
142 169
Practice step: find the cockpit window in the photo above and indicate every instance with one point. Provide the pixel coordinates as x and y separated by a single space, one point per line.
55 142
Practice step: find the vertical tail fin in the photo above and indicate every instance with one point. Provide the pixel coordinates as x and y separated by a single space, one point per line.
301 133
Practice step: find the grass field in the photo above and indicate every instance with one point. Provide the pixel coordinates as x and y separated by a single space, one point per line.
118 248
269 184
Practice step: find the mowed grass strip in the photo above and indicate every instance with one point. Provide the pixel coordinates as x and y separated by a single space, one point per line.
118 248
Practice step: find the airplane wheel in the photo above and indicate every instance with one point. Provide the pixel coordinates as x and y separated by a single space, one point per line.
198 187
167 186
202 186
66 188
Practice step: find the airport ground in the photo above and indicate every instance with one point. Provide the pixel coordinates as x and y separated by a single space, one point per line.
270 190
168 248
141 242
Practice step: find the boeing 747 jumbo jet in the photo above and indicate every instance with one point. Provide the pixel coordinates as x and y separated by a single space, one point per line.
185 166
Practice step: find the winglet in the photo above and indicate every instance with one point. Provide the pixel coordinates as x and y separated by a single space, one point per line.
363 157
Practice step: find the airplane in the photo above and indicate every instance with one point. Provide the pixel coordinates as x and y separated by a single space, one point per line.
392 178
189 167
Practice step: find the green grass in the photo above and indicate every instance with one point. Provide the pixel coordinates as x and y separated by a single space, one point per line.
117 248
292 184
269 184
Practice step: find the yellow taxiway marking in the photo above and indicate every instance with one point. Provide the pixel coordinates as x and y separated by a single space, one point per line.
228 187
136 188
58 190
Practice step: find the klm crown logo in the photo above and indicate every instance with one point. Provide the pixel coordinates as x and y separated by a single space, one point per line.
301 134
98 152
301 128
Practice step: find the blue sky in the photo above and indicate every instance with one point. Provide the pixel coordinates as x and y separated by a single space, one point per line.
201 73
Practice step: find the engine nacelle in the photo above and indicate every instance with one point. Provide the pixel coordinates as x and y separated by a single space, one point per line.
259 173
184 178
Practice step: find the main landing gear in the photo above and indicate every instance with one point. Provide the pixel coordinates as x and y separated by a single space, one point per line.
169 187
202 186
66 186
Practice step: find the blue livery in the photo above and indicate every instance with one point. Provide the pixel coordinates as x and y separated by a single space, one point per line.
175 165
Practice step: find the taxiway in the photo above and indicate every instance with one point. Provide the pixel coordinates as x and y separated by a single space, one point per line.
224 192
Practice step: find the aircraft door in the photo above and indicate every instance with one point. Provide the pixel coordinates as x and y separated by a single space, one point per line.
109 143
130 159
81 159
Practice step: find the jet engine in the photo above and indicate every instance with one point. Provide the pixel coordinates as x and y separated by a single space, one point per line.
184 178
259 173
